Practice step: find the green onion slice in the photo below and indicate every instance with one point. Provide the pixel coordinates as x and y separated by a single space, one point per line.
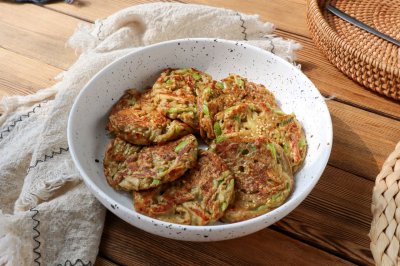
181 145
271 147
217 129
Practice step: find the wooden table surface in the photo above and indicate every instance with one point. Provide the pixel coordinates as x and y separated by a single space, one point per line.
330 227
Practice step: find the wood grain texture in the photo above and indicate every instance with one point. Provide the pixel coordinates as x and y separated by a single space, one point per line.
92 10
294 11
100 261
290 18
335 216
288 15
37 33
20 75
361 140
131 246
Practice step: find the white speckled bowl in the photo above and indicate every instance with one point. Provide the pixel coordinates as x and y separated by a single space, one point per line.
87 136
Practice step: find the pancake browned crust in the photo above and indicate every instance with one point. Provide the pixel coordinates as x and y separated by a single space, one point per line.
226 93
209 103
115 158
263 177
151 166
128 99
144 127
255 120
289 134
174 93
133 98
239 90
198 198
134 118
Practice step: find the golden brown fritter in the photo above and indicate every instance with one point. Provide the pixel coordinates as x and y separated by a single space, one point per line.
143 127
133 98
287 131
263 177
255 120
174 94
239 90
151 166
115 158
226 93
134 118
198 198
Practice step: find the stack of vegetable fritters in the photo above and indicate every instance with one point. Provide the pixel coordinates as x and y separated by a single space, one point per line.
248 169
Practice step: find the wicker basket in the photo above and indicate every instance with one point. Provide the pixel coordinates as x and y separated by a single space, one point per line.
365 58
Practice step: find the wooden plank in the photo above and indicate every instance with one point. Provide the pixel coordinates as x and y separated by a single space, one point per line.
335 216
37 33
21 75
331 82
101 261
93 10
293 24
129 245
361 140
289 15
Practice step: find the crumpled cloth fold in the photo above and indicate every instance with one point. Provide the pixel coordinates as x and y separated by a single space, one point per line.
47 215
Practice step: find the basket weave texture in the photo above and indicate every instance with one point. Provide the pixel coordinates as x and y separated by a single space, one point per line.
385 227
362 56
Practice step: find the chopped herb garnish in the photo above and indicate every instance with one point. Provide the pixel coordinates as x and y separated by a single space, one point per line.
205 110
220 138
215 183
236 118
172 110
287 121
276 196
227 110
252 148
262 207
220 85
285 148
231 184
302 142
169 81
196 76
155 182
224 205
271 147
245 151
217 129
240 82
181 145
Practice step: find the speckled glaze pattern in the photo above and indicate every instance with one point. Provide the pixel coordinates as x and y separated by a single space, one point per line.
294 91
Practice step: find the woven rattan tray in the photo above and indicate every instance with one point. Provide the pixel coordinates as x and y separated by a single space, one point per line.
365 58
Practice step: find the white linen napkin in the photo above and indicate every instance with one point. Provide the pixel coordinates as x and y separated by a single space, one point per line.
47 215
